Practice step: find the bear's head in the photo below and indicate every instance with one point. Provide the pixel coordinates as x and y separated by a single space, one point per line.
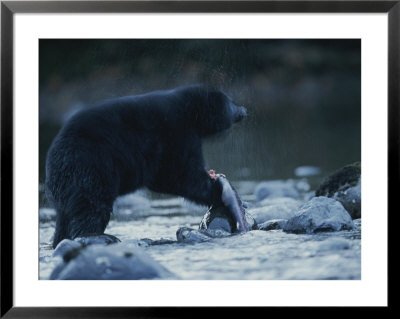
213 111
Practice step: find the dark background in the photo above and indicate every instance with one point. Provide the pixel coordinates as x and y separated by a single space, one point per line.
303 96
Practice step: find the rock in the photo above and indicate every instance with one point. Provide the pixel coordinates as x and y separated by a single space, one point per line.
344 185
65 246
275 208
220 218
47 215
104 239
273 224
305 171
320 214
277 188
191 236
216 233
109 263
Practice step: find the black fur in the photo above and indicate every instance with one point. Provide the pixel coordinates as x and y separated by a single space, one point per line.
151 140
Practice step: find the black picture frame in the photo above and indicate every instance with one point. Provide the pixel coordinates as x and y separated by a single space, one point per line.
9 8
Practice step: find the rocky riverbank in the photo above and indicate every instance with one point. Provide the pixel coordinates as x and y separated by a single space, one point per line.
292 234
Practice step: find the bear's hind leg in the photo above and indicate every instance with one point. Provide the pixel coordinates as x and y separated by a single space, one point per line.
83 215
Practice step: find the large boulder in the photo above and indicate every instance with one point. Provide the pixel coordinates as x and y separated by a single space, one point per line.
318 215
114 262
344 185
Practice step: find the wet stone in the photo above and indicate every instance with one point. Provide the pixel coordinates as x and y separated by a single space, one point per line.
109 263
104 239
273 224
320 214
65 246
191 236
216 233
344 185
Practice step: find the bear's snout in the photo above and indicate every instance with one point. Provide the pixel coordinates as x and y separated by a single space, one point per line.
240 114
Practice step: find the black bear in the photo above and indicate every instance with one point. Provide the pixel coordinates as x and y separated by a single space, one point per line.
151 140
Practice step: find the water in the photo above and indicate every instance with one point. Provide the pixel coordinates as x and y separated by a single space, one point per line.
255 255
